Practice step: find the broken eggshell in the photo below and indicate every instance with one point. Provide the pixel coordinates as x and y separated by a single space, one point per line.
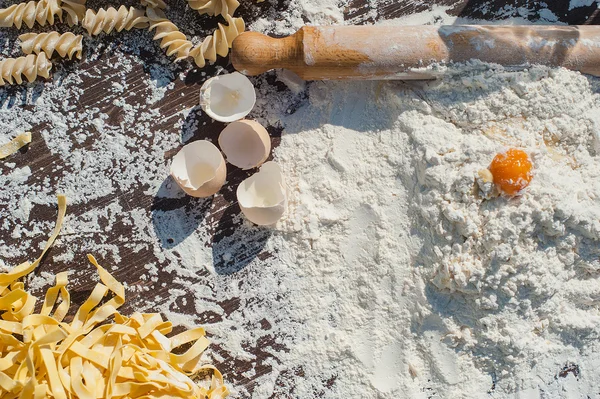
246 144
199 169
262 196
227 98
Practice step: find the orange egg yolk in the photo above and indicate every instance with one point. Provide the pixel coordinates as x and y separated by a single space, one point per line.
511 171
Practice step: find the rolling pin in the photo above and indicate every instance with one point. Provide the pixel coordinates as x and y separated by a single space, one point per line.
405 52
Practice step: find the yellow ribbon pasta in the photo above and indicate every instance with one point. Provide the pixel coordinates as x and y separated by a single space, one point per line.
15 144
91 357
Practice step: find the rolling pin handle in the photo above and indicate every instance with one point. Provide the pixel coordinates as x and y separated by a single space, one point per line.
253 53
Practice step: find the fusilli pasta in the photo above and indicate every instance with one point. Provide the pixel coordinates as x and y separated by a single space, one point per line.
42 11
66 45
112 19
30 66
169 35
219 42
214 7
178 45
75 10
154 3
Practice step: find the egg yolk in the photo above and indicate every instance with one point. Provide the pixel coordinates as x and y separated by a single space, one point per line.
511 171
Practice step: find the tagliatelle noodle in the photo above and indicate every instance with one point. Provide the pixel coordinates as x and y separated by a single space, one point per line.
15 144
89 358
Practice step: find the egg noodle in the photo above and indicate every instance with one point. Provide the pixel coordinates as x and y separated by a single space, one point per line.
15 144
91 357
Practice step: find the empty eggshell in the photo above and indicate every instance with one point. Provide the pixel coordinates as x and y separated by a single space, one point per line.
199 169
262 196
227 98
246 144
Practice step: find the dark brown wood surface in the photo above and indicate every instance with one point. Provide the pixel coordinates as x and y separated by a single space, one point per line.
221 214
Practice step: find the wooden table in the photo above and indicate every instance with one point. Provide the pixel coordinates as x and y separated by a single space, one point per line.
222 214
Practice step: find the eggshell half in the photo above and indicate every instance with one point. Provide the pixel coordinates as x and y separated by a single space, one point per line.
262 196
199 169
246 144
227 98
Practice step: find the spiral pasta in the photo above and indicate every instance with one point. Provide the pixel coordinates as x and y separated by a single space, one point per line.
42 11
169 35
30 66
154 3
179 46
112 19
66 45
214 7
219 42
75 10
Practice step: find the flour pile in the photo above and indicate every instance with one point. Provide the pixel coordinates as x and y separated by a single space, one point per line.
414 277
397 271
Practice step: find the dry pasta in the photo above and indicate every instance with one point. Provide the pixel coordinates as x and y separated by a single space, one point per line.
15 144
30 66
154 3
169 35
179 46
66 45
42 356
214 7
42 11
113 19
75 10
219 42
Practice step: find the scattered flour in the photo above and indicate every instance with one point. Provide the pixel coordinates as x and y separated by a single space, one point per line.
397 271
299 13
581 3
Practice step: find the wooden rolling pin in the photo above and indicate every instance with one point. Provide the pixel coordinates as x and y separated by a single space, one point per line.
403 52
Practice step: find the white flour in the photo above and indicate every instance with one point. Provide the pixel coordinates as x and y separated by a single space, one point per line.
397 262
395 274
298 13
580 3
